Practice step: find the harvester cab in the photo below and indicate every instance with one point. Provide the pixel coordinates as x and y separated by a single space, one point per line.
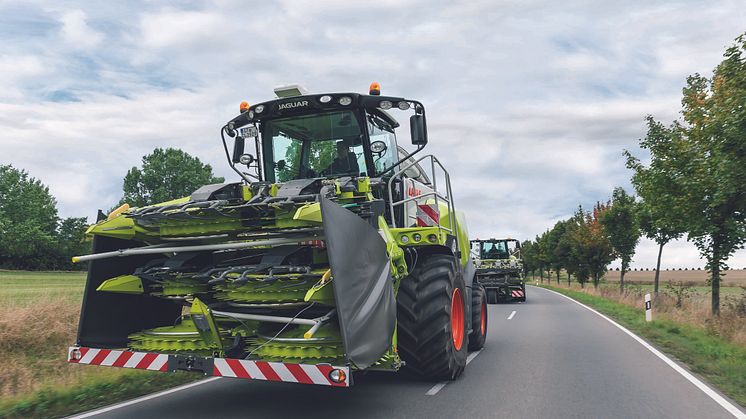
337 251
500 268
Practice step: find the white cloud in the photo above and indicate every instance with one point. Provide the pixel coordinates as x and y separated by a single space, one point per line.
76 32
529 103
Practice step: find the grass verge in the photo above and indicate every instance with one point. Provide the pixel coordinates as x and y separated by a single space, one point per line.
720 362
57 402
39 314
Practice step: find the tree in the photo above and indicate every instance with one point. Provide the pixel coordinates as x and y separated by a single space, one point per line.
528 254
622 227
70 241
542 256
703 161
28 219
555 251
165 175
659 228
591 250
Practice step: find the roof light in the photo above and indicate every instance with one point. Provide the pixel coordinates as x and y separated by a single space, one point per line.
290 90
385 104
403 105
244 106
375 88
325 99
345 100
259 109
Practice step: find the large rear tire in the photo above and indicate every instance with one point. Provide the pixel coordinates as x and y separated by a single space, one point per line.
492 296
432 322
478 334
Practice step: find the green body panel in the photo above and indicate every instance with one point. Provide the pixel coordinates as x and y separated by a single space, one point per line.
125 284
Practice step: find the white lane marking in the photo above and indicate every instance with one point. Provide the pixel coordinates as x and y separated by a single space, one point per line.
511 315
472 356
436 388
725 404
142 399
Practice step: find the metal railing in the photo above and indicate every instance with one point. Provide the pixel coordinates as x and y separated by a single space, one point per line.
435 194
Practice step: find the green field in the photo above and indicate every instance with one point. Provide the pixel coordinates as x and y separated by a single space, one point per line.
24 287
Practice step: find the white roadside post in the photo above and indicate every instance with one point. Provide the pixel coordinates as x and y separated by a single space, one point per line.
648 308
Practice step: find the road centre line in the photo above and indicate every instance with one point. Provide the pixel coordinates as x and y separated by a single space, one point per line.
717 398
511 315
436 388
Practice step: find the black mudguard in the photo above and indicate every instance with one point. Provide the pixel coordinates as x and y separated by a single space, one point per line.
106 319
363 289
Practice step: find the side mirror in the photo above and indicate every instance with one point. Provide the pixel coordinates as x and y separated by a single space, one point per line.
238 149
418 130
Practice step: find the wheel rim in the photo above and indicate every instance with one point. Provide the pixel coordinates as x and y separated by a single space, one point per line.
457 319
483 318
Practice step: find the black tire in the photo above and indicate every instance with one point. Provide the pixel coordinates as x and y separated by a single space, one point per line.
424 311
492 296
478 334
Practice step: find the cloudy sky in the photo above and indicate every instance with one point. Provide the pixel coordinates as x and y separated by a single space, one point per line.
530 102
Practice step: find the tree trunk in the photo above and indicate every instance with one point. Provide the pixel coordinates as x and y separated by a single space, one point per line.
558 272
541 274
658 270
568 279
716 288
621 277
595 280
715 265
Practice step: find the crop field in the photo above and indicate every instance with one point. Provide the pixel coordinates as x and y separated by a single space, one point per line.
731 278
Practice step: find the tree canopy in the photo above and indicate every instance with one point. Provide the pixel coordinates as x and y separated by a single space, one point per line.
699 164
621 224
166 174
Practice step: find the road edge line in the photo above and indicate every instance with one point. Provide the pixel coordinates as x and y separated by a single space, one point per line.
715 396
141 399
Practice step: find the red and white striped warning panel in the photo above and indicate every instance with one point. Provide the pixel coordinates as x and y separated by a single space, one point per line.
122 359
427 215
321 374
517 294
278 371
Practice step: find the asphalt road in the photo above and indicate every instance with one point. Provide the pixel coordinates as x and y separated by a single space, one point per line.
551 359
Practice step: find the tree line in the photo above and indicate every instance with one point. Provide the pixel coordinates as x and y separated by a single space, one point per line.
34 236
693 183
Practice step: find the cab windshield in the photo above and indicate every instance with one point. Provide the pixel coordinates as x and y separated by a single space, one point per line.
494 250
319 145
